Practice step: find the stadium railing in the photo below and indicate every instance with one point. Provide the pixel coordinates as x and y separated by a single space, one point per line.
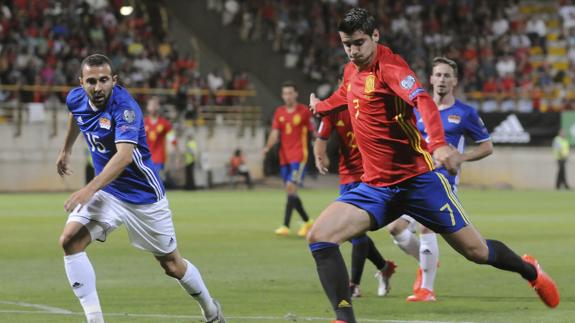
14 110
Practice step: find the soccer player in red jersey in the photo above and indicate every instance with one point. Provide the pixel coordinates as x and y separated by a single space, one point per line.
380 91
157 130
350 171
292 125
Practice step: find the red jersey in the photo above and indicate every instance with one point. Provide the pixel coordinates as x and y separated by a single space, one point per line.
156 133
294 128
350 164
380 100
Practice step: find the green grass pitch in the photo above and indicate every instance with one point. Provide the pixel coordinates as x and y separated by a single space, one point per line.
262 278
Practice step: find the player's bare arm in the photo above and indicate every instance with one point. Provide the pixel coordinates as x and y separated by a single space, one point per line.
482 150
72 132
272 140
121 159
321 158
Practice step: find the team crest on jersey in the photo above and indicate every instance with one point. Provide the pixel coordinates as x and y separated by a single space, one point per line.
340 123
79 120
454 119
369 84
282 119
105 123
408 82
348 87
296 119
129 116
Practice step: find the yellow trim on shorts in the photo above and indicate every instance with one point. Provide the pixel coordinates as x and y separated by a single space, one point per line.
452 196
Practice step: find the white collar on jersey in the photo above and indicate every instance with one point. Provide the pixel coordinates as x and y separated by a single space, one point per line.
92 106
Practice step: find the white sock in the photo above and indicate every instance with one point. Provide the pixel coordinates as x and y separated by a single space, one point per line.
82 279
408 242
429 256
193 284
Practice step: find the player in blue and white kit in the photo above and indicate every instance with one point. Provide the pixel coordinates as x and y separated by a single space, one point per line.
126 190
459 120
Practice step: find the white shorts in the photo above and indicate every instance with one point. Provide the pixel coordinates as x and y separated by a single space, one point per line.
149 226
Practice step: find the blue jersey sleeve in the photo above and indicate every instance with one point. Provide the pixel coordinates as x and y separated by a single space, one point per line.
75 98
127 119
475 127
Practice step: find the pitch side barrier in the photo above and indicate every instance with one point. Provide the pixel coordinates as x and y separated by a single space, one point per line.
522 158
522 129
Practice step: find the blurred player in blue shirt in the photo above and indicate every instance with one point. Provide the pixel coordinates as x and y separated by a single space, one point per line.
126 190
459 120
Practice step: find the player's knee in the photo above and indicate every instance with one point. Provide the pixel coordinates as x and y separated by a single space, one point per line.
291 188
477 254
64 241
70 244
316 235
425 230
312 236
173 269
396 227
393 230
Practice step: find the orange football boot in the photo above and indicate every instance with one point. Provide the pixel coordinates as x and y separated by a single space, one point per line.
418 280
543 284
422 295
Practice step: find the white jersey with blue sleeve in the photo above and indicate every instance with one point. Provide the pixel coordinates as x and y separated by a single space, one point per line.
121 121
458 121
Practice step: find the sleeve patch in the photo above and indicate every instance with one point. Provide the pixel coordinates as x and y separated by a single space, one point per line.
126 128
408 82
129 115
415 92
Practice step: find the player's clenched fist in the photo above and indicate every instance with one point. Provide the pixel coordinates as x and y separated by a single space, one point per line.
449 157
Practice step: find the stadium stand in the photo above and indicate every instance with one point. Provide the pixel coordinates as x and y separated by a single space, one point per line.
42 44
515 54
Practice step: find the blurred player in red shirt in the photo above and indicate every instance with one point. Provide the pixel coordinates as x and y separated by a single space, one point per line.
380 91
350 171
158 129
292 125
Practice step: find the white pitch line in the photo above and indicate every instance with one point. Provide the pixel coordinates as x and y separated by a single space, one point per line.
45 309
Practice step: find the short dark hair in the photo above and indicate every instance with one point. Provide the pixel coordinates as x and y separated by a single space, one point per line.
444 60
96 60
357 19
289 84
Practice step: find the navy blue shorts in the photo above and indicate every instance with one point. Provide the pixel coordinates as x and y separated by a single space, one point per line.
293 172
344 188
428 198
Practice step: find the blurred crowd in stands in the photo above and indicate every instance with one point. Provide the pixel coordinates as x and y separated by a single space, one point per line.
512 54
43 43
